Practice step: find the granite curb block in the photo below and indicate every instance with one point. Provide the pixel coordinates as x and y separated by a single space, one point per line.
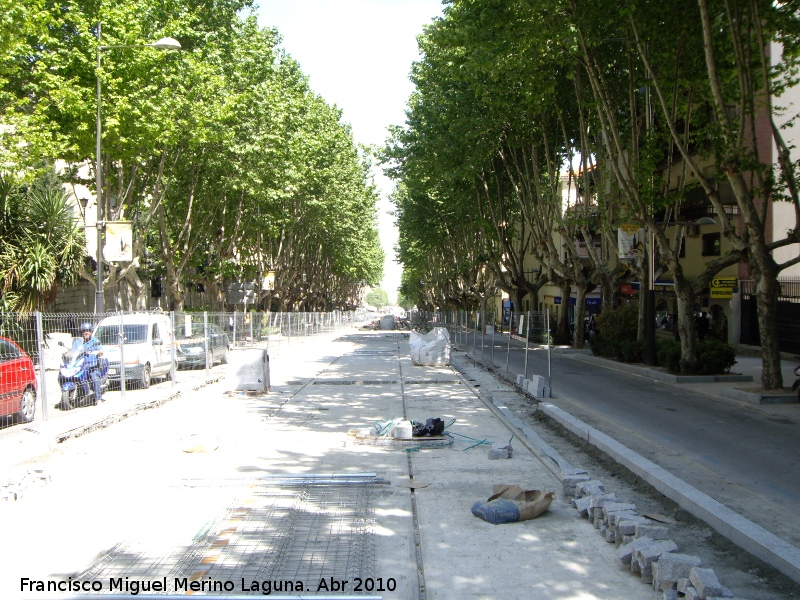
758 398
642 543
652 373
744 533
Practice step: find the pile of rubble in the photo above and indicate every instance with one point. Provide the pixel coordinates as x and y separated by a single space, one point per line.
642 543
14 482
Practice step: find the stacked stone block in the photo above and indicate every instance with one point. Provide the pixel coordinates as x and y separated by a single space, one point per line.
642 544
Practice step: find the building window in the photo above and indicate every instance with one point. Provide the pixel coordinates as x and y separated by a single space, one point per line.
712 246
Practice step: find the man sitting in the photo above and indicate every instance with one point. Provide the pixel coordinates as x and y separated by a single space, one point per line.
93 350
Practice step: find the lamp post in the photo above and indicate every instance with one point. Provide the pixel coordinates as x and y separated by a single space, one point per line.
166 43
650 298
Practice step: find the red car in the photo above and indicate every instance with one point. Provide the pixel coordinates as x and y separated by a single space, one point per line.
17 382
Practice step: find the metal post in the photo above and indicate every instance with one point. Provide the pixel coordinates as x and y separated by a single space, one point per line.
251 330
483 331
40 350
205 335
475 331
493 328
99 300
172 365
549 372
508 349
234 328
527 343
121 334
269 329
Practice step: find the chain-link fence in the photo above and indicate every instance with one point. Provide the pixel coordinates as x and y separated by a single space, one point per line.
47 371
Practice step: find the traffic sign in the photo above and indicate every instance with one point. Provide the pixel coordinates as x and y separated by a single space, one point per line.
724 282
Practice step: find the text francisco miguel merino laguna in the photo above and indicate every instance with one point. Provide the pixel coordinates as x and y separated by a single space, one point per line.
183 584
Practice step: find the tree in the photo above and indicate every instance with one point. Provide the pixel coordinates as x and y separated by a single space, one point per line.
41 245
378 298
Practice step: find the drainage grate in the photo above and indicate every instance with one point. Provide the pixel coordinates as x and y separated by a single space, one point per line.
288 528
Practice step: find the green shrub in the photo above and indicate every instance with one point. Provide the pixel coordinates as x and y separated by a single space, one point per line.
631 351
715 357
668 354
562 339
599 346
621 323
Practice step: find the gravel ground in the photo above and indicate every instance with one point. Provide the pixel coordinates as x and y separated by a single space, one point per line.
748 577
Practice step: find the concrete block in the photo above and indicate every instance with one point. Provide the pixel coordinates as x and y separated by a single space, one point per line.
691 593
507 447
520 379
536 386
674 567
627 539
727 595
611 536
593 487
496 454
546 391
682 584
612 507
615 518
657 532
628 526
705 582
583 504
598 501
669 595
625 552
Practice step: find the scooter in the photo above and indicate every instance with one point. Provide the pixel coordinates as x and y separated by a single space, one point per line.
73 376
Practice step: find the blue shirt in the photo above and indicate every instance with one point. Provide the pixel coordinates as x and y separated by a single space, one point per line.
91 348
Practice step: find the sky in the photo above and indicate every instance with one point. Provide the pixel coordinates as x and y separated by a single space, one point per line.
357 55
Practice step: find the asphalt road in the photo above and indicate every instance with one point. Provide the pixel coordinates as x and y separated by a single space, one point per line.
745 458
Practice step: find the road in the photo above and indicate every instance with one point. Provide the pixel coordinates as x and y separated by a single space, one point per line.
746 458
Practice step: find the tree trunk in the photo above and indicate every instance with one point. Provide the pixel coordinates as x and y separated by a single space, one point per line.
579 339
685 325
563 317
177 295
767 293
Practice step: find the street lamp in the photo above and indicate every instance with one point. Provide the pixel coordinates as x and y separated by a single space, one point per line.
166 43
650 298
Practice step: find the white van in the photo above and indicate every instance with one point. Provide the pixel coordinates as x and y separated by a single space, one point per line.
148 347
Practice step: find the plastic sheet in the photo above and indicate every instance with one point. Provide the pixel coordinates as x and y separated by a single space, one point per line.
431 349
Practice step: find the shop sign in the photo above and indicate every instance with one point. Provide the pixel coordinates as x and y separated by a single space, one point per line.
724 282
661 285
721 293
573 301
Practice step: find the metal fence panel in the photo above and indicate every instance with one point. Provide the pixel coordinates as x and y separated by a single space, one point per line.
32 346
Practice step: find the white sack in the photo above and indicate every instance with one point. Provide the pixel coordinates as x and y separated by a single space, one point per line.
431 349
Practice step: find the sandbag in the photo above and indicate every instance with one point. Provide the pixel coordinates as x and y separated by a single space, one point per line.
431 349
511 503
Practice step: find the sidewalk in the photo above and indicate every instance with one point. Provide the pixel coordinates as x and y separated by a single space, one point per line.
289 496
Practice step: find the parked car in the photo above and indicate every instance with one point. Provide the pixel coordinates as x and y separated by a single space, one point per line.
191 349
147 348
17 382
